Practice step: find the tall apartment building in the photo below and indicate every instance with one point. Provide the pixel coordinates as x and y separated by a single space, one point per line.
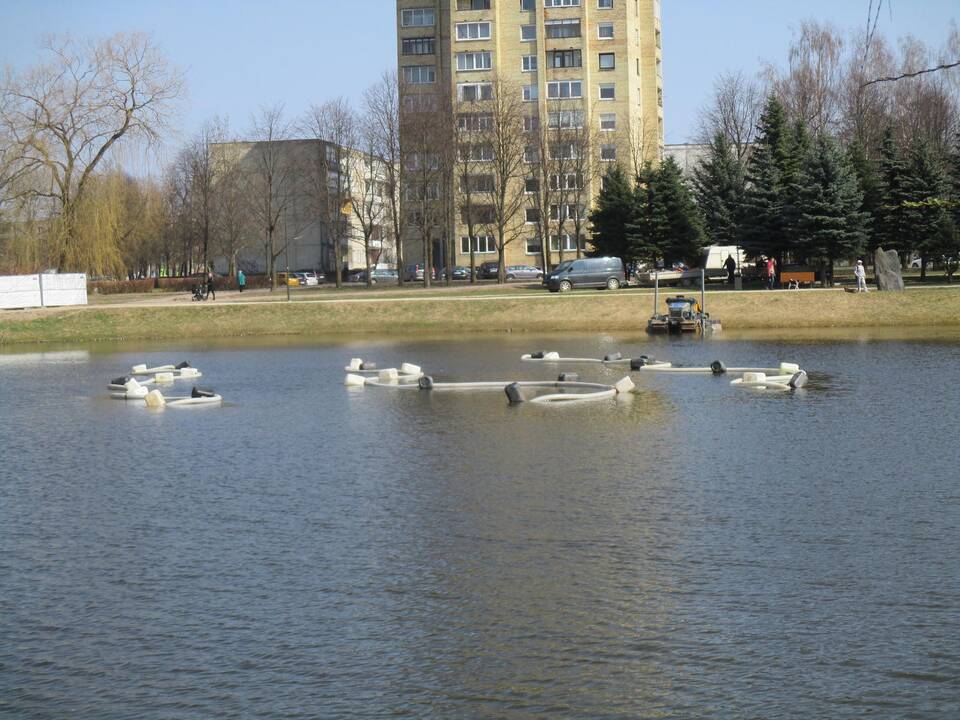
574 61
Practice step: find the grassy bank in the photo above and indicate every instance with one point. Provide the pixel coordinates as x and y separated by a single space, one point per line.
534 311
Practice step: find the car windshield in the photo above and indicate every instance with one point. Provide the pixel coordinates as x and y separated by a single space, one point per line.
563 266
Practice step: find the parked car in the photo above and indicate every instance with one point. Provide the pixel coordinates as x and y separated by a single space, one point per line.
522 272
586 272
384 275
415 272
358 276
308 277
488 270
458 273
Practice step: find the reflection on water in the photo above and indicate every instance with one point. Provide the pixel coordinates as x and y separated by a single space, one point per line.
314 550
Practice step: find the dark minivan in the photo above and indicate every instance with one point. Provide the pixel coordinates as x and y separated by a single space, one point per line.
605 272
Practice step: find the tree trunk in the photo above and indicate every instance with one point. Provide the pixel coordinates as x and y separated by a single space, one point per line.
366 257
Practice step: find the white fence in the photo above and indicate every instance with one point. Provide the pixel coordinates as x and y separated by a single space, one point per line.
48 289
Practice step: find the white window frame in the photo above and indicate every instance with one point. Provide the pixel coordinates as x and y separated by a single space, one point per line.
489 245
531 154
528 63
538 246
533 37
607 86
484 56
412 12
604 148
564 119
526 190
480 24
478 87
531 123
528 5
561 3
608 119
566 22
569 243
604 4
417 72
569 84
526 216
601 27
531 93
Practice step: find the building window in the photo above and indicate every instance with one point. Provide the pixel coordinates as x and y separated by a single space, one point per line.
476 183
531 186
608 92
564 151
530 93
482 245
528 63
528 5
480 60
528 33
565 119
418 46
566 181
564 58
607 61
569 28
608 153
531 123
473 4
417 17
531 154
419 74
473 31
532 215
561 3
471 92
608 122
534 246
475 152
564 211
559 89
604 4
420 102
605 31
473 122
569 243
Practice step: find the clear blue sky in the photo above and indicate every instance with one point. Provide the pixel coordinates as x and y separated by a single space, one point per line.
239 55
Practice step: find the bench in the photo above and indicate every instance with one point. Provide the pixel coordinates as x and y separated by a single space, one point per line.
793 279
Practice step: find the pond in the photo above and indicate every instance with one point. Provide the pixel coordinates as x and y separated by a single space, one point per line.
314 550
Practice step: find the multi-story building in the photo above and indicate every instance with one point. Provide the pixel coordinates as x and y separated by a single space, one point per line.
571 61
310 189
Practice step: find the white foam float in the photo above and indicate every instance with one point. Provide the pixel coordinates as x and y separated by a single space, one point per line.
611 359
130 390
762 381
197 398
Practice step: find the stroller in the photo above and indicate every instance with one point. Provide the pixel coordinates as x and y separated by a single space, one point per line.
200 292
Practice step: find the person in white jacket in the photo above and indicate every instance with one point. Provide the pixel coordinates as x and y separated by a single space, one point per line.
861 277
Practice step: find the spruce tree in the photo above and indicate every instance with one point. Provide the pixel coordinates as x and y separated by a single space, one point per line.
718 190
613 212
869 184
762 222
829 216
889 229
798 147
644 228
927 222
677 218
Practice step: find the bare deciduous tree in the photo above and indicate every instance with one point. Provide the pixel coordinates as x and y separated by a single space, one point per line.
732 110
67 115
367 199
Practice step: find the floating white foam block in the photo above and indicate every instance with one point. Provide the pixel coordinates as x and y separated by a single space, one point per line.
388 375
410 369
789 368
352 380
189 372
139 368
754 377
624 385
355 364
134 389
551 356
155 399
164 377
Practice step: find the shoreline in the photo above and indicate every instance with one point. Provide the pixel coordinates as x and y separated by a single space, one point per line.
468 313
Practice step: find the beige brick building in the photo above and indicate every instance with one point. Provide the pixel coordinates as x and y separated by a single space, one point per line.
574 61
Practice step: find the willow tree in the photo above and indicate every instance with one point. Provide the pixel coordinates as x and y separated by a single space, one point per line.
68 114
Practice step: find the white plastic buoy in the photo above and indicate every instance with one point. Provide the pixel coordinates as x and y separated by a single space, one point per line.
139 368
164 377
624 385
155 399
189 372
787 368
551 356
410 369
355 364
134 389
388 375
352 380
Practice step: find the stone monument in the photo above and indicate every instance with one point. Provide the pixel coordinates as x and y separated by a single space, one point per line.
886 266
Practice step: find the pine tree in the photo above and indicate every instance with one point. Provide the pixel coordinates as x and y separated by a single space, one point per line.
680 228
645 225
792 180
718 190
763 228
613 212
869 185
830 221
889 229
927 222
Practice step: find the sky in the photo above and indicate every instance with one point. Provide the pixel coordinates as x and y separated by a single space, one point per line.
239 55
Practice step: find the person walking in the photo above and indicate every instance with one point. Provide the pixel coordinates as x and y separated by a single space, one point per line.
211 290
731 266
241 280
771 273
861 274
